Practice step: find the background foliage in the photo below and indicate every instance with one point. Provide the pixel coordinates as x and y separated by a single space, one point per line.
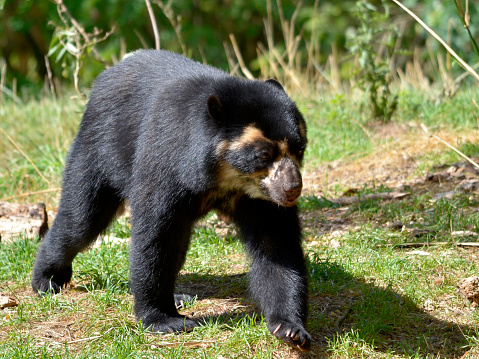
27 29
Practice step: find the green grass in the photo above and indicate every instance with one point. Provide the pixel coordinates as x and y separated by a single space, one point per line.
396 310
339 127
100 304
395 292
370 297
43 130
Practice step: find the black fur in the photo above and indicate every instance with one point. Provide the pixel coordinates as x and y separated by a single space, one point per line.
165 133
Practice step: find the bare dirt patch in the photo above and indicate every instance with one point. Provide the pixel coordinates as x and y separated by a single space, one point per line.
28 219
393 164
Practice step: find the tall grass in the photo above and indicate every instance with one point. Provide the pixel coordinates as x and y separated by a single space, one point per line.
34 140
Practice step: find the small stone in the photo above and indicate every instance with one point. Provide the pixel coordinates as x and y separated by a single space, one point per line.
468 185
334 243
397 226
468 288
7 301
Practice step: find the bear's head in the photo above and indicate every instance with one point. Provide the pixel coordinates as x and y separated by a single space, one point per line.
263 151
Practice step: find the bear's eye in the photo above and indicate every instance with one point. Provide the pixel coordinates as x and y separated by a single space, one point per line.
263 156
301 151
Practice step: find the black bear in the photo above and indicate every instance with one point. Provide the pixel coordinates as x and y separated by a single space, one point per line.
176 139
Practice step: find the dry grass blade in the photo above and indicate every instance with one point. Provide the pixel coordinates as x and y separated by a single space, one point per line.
233 65
175 21
28 194
450 146
438 38
10 93
243 67
25 155
89 338
193 344
288 70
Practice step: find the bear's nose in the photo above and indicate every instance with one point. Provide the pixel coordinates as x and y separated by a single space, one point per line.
292 190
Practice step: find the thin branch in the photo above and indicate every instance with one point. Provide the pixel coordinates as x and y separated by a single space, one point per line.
193 343
174 21
448 145
50 79
63 9
443 43
428 244
345 314
153 24
349 200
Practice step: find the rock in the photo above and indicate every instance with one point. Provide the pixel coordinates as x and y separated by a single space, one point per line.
468 288
468 185
7 301
444 195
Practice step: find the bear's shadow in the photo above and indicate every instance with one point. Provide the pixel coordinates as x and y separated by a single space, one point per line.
342 306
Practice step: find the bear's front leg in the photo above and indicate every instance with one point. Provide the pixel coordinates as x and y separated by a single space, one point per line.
278 278
280 290
158 248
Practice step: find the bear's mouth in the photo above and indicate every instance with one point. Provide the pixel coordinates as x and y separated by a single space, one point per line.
281 198
289 203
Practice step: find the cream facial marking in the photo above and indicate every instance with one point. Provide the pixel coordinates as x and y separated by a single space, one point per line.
278 181
284 151
283 147
230 179
272 174
250 135
283 183
221 148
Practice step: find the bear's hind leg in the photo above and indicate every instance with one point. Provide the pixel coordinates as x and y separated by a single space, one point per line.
86 209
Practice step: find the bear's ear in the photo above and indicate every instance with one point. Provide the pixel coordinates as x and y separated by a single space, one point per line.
214 107
276 84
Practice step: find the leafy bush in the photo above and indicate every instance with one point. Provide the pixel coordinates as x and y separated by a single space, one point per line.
375 33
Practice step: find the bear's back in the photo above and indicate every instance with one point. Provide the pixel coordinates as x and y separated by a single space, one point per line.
151 67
